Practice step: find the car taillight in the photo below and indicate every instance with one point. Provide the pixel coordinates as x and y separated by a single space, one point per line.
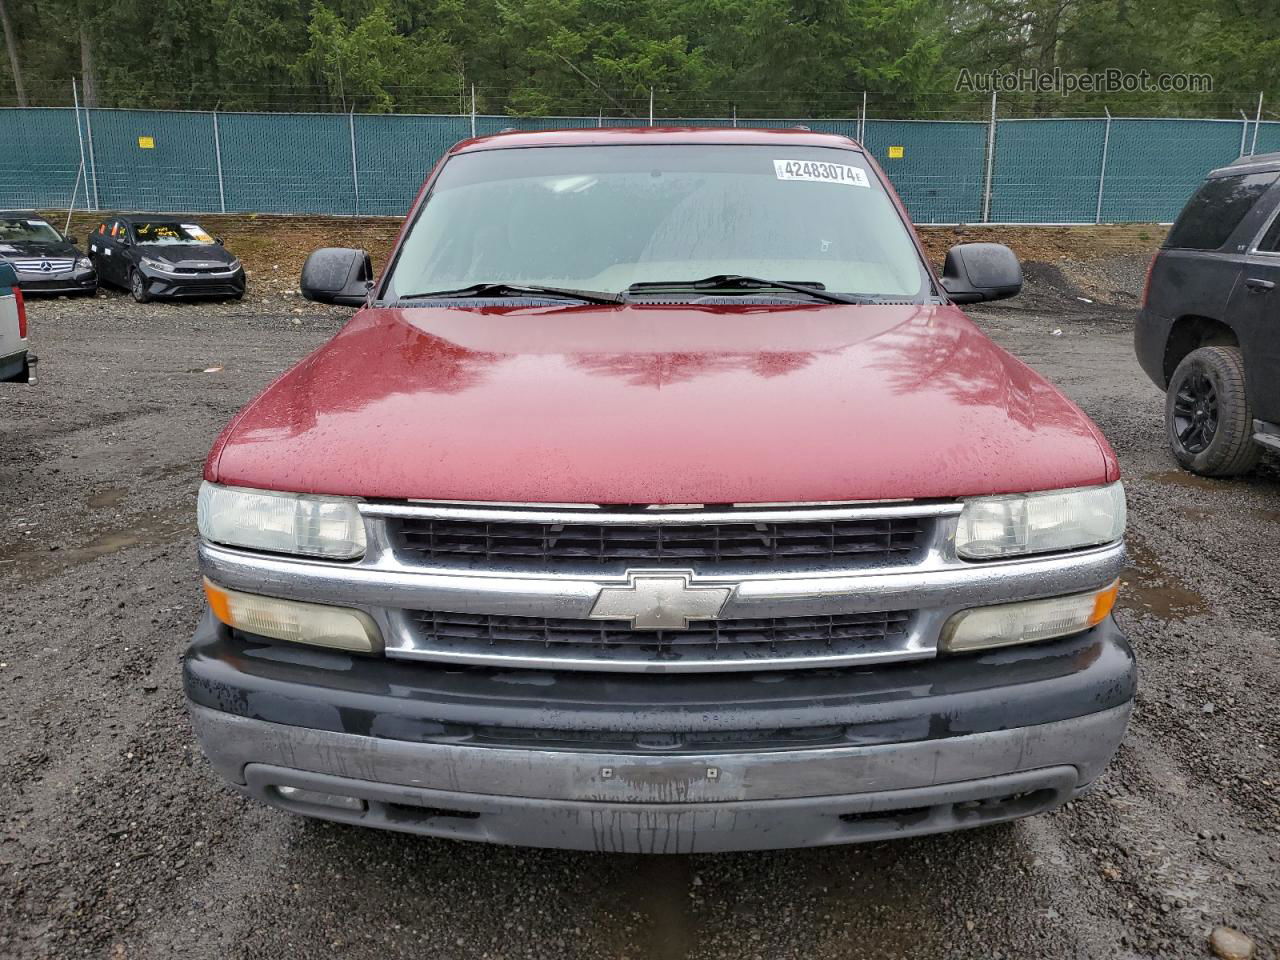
22 314
1146 283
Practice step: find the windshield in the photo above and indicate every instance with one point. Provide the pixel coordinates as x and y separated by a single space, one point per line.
170 233
27 231
604 218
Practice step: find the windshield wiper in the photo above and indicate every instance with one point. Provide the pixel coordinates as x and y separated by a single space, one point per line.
500 289
735 281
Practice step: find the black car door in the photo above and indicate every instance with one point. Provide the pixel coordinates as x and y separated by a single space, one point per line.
1254 312
126 254
97 244
110 253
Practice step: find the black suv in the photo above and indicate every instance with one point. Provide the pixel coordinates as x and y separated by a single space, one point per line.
1208 333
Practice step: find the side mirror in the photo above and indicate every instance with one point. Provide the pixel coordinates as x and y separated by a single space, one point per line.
218 241
975 272
71 239
338 275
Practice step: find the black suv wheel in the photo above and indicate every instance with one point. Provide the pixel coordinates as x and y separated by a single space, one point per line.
1207 414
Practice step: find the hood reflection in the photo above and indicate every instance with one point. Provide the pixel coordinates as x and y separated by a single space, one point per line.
661 404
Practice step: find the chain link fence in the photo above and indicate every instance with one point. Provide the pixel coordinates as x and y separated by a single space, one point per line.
1095 170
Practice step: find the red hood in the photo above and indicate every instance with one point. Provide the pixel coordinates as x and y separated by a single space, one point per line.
661 404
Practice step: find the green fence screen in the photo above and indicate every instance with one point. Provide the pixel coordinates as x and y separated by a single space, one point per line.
1039 171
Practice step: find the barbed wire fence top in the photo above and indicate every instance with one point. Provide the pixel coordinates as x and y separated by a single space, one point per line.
962 168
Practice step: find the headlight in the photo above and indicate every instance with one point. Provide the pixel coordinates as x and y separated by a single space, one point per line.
1012 526
235 265
84 263
157 265
1009 623
328 527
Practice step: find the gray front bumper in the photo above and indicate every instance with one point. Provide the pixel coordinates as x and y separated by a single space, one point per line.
633 803
43 283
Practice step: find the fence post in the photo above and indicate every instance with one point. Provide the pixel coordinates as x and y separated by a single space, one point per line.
651 106
862 121
1244 131
735 114
72 205
473 110
1256 124
217 155
355 169
93 166
1102 176
991 162
75 96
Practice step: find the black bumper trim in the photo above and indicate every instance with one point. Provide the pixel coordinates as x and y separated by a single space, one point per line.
429 703
53 287
164 286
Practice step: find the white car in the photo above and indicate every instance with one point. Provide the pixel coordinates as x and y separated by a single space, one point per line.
15 363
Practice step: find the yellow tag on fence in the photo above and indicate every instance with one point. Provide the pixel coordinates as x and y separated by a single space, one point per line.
146 143
896 153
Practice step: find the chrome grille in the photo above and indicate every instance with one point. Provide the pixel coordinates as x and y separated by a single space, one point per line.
840 543
555 586
60 265
540 617
492 636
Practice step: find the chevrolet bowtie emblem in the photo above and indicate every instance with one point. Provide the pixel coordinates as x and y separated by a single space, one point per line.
660 600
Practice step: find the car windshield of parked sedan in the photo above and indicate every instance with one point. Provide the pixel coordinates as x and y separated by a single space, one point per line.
603 218
170 233
23 230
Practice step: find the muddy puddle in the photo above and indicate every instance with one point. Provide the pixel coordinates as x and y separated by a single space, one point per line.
110 497
659 887
37 561
1180 478
1147 587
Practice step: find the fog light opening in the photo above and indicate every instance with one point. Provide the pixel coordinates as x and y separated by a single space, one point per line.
318 798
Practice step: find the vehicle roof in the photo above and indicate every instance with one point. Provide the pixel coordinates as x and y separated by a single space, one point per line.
1258 163
605 136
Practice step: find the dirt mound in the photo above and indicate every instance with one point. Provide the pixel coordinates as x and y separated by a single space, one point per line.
1110 282
1066 266
1052 244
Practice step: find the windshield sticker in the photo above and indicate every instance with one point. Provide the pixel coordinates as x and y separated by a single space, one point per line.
840 173
156 232
196 233
37 223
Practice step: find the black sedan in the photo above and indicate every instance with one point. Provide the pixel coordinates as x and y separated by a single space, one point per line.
154 257
44 260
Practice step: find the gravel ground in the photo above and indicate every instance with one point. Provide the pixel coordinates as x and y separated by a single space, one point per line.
117 840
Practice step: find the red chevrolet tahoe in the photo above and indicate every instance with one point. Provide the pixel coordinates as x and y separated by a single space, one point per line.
660 497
